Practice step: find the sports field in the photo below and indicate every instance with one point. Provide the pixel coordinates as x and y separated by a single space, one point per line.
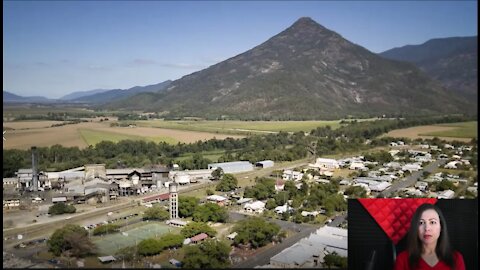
109 244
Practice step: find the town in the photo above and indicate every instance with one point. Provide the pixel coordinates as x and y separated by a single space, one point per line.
302 207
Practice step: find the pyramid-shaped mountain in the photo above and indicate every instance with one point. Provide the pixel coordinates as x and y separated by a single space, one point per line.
304 72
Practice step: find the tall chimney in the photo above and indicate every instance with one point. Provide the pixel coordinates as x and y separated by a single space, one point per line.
34 168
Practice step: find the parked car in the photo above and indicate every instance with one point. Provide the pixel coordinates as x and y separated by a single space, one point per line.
53 261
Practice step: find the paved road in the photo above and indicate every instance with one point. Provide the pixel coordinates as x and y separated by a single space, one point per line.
412 178
337 220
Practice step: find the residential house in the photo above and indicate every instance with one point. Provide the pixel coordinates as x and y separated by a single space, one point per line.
256 207
446 194
198 238
220 200
292 175
282 209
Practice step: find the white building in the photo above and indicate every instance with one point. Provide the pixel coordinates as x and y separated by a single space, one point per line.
412 167
309 252
232 167
216 198
380 186
265 164
193 175
282 209
421 185
452 165
325 163
292 175
446 194
448 146
256 207
358 166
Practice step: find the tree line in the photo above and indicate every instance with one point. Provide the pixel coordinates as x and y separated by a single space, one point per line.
280 146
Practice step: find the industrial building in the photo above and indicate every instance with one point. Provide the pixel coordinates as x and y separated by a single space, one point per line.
325 163
309 252
265 164
232 167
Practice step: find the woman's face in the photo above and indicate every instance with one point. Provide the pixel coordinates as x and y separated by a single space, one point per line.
429 227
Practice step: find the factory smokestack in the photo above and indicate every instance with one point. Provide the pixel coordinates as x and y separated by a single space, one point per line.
34 169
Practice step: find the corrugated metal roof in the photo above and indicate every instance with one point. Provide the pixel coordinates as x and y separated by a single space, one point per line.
106 258
199 237
161 197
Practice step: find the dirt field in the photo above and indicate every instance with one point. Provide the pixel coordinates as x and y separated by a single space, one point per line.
179 135
29 124
413 133
40 134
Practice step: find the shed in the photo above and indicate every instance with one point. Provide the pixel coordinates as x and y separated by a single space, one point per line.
264 164
59 199
176 223
216 198
244 200
106 259
199 237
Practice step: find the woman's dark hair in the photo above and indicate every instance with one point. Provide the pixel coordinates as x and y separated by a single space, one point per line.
414 245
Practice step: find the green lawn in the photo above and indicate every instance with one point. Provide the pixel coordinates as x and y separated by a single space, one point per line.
463 130
109 244
92 137
239 127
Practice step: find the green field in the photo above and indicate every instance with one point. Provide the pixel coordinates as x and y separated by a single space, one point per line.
108 244
239 127
92 137
463 130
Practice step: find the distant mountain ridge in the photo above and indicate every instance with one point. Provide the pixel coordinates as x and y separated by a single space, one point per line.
304 72
10 97
96 96
80 94
116 94
452 61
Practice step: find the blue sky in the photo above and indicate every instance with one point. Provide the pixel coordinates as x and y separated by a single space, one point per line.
53 48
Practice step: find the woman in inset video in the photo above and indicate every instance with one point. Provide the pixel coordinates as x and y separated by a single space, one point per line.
428 244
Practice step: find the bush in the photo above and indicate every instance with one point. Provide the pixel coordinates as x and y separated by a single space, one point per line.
208 254
107 228
256 231
61 208
156 213
210 212
150 247
72 238
194 228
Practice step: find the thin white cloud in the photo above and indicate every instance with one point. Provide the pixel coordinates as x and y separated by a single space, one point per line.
183 65
142 62
97 67
42 64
